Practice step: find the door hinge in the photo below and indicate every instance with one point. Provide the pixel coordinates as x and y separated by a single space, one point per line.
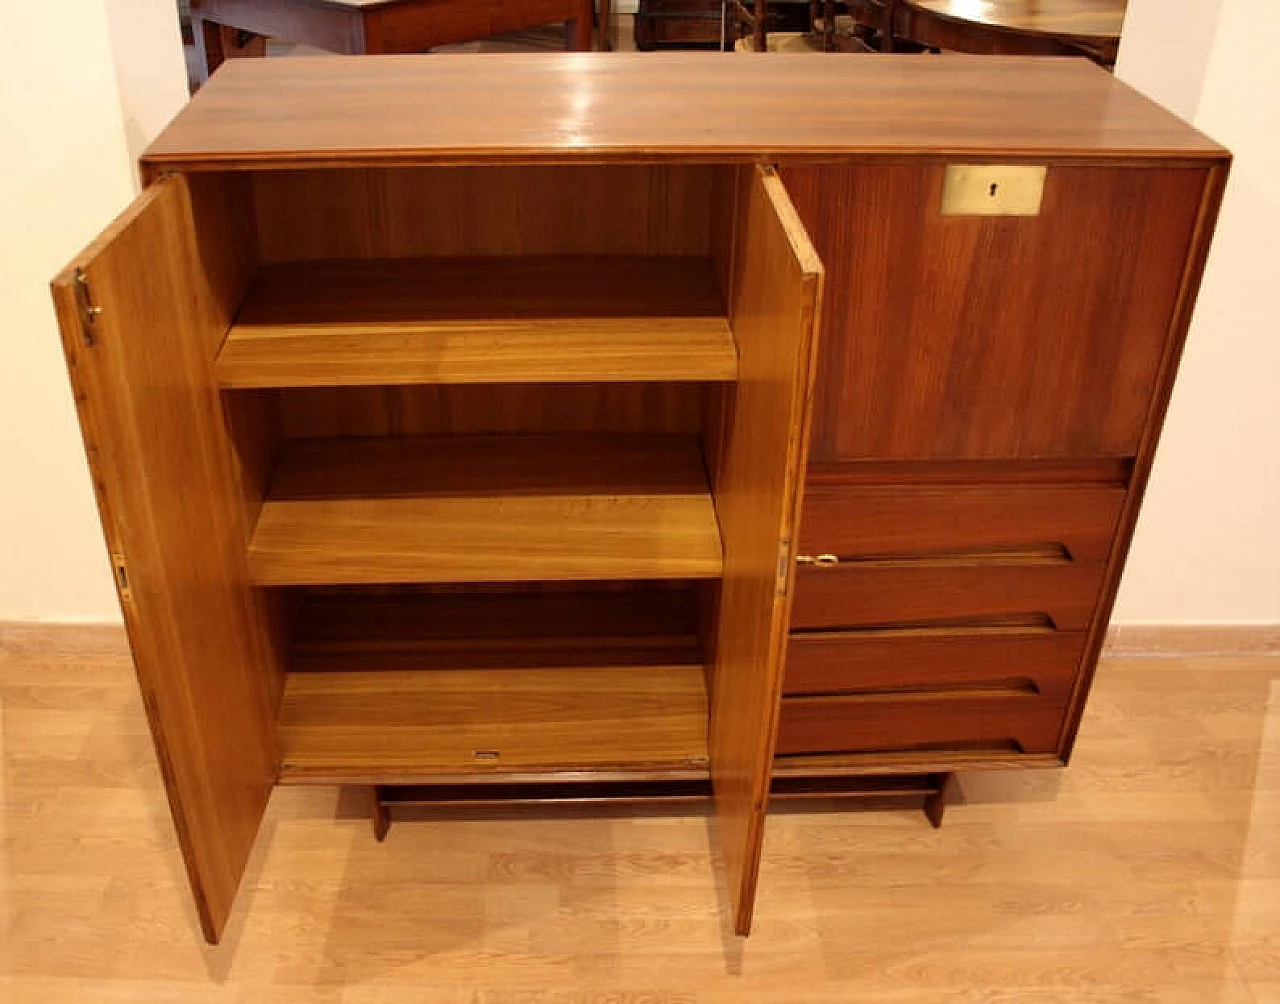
784 565
89 311
121 571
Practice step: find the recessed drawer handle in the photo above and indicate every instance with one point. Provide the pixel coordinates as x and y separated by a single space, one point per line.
820 561
1017 554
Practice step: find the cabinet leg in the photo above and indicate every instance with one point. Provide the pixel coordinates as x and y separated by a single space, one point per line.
381 816
605 18
936 804
580 30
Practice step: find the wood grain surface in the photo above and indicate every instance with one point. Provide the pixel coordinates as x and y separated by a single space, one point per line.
1147 872
167 276
404 629
947 590
866 520
372 726
1193 269
487 320
487 409
654 106
775 289
902 658
498 209
937 719
971 337
487 509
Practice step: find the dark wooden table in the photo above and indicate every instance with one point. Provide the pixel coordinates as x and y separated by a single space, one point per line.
1005 27
225 28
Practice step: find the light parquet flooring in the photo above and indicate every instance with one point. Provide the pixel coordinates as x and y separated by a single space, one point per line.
1147 872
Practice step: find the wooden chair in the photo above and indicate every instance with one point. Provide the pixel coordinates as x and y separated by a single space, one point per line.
823 16
871 16
757 21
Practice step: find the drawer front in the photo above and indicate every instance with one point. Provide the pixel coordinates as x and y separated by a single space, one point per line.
909 591
845 661
1009 719
865 521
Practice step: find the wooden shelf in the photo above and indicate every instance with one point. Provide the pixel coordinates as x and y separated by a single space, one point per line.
480 320
404 726
486 509
412 685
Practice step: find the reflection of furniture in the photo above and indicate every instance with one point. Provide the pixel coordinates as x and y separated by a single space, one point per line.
684 24
448 419
829 13
225 28
1007 27
791 22
797 25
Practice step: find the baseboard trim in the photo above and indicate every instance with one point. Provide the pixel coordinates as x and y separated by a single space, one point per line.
42 637
1186 640
34 637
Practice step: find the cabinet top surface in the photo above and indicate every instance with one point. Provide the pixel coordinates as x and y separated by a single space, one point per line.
662 106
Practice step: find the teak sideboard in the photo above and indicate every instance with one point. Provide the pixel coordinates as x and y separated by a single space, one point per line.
463 423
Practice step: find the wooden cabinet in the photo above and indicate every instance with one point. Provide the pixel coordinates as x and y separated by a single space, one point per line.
461 444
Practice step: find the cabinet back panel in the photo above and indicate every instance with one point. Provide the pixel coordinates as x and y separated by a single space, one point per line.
953 337
493 408
550 624
652 209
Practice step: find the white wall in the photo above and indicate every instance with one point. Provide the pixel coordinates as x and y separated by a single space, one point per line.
1208 542
1164 50
146 41
66 172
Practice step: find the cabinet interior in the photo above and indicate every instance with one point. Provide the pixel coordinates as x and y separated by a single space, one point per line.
478 414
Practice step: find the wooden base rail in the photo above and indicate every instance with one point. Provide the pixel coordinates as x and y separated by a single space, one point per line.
933 789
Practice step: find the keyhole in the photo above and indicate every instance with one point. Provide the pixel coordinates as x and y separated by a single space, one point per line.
992 193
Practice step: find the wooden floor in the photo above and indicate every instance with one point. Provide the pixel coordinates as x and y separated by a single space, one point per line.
1148 872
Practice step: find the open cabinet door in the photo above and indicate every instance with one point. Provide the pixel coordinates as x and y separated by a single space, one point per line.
142 314
775 289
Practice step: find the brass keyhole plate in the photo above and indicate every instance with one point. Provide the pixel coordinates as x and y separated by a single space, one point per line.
993 190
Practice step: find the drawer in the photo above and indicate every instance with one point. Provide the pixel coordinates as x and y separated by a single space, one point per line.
834 661
1011 718
916 591
871 520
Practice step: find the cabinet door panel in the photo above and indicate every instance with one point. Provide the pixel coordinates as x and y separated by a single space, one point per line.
982 337
775 290
175 512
